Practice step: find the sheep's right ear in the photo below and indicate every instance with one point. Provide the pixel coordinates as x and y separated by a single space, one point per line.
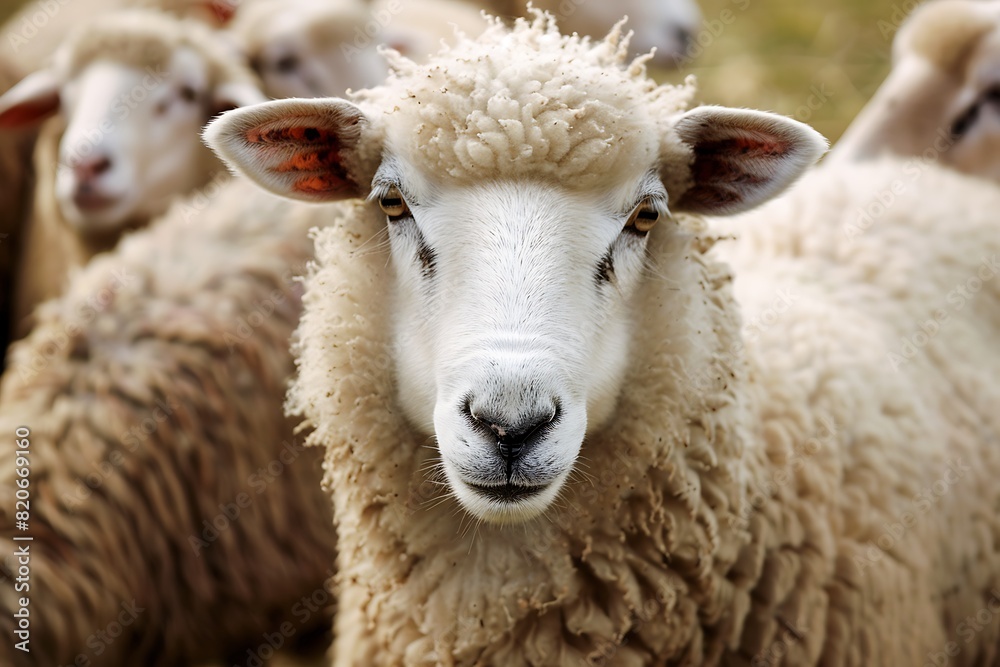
31 101
296 148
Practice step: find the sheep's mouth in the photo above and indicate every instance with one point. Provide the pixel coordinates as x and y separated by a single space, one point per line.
506 493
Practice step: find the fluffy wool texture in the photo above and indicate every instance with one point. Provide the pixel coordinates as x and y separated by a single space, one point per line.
153 393
52 248
570 112
936 97
732 510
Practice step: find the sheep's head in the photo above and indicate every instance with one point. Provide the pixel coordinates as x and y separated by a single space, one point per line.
134 91
308 48
942 98
520 178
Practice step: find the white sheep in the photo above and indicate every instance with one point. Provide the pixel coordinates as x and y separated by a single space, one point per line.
175 517
552 438
35 32
669 26
318 48
132 91
941 100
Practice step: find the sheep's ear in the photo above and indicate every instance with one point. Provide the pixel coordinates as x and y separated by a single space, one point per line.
31 101
302 149
742 158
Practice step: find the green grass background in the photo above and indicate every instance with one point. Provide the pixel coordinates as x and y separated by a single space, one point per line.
774 54
782 55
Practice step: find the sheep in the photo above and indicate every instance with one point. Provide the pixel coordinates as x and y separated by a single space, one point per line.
669 26
942 98
551 440
320 49
175 517
36 31
132 90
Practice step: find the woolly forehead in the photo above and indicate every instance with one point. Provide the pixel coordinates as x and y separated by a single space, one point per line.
525 103
145 40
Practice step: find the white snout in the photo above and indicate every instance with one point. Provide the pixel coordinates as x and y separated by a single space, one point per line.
509 433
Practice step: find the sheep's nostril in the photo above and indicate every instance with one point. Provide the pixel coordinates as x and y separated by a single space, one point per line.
513 439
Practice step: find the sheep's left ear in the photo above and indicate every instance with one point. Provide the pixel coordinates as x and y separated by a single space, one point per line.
742 158
296 148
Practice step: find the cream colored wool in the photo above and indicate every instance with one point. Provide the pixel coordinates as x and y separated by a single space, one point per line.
144 39
153 393
573 113
728 514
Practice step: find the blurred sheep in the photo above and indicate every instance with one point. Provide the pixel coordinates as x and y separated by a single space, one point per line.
315 48
130 92
942 98
165 482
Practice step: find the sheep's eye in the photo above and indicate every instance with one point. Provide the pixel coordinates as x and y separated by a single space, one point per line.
392 204
188 94
644 217
965 121
286 64
993 95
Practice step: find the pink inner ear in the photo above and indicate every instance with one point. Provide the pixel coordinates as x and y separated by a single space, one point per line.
29 113
728 159
315 162
222 10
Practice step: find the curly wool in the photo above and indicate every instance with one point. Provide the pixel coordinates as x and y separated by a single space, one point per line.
164 475
525 102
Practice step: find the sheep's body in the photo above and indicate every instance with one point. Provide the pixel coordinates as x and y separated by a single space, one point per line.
152 391
53 246
940 99
740 504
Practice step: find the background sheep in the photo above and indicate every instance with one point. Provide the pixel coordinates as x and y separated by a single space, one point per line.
132 90
164 477
942 98
669 26
736 488
312 48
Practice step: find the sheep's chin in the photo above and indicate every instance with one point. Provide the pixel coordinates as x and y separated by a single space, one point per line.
505 512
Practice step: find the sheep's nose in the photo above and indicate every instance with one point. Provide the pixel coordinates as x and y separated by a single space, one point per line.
91 167
514 439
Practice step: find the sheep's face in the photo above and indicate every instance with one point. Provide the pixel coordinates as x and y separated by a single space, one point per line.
511 322
513 297
973 113
310 52
131 141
